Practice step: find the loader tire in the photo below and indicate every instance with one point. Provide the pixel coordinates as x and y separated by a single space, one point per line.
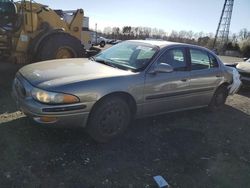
59 46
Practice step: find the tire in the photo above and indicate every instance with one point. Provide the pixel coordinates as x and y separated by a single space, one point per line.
58 46
219 99
109 119
102 44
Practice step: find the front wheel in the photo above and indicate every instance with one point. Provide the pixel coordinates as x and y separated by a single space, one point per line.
108 119
219 98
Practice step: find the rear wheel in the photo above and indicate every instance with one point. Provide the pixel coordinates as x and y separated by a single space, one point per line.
109 119
219 98
59 46
102 44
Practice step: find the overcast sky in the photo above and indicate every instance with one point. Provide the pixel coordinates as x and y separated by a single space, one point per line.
196 15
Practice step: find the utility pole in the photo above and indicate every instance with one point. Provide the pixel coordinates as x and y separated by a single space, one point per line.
222 31
96 33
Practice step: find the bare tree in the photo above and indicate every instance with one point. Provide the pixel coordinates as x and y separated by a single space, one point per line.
244 34
107 30
200 38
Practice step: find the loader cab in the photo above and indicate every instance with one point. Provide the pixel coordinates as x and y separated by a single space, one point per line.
8 14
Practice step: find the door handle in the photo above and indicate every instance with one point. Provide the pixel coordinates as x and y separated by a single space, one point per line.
218 76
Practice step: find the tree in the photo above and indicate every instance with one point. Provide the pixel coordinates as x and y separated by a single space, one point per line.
190 35
136 31
173 36
203 41
107 30
182 34
200 38
244 34
245 49
115 32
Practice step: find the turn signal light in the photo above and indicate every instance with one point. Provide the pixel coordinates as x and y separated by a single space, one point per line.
46 119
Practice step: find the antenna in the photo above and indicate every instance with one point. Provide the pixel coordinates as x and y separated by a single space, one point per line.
222 31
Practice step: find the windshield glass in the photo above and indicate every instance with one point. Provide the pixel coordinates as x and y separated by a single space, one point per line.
128 55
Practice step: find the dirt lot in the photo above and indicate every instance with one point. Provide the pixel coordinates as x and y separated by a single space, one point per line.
189 149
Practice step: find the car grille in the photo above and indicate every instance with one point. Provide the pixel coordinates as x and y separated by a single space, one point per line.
19 88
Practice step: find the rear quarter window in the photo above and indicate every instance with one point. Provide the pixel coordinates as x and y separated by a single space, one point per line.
213 61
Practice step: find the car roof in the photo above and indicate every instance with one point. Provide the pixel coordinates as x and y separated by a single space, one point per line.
162 43
159 43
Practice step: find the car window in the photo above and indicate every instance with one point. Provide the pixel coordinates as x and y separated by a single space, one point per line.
124 53
128 55
199 59
175 58
145 54
213 61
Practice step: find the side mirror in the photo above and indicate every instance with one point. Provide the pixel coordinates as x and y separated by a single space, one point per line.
162 68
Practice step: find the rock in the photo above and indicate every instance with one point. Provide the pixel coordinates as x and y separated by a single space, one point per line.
156 160
7 175
105 181
86 161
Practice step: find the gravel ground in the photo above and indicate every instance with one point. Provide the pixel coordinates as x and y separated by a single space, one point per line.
189 149
227 59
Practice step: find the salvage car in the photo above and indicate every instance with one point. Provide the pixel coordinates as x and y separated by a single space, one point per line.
132 79
244 70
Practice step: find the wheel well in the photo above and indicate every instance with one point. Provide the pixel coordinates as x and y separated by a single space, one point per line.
225 84
63 36
49 35
40 38
123 95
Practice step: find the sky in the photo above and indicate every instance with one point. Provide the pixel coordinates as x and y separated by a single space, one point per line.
195 15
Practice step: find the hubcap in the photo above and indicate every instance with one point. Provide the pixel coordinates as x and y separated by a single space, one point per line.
112 121
64 53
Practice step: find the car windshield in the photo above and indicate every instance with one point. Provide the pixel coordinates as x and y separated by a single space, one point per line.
128 55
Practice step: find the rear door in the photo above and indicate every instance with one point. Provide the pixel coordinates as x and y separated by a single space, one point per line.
165 92
205 75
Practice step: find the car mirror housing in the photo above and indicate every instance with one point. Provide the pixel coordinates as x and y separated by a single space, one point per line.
162 68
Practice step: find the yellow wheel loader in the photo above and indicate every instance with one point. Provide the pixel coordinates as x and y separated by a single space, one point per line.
31 32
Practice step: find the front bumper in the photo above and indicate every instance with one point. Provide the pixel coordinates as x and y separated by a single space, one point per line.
70 115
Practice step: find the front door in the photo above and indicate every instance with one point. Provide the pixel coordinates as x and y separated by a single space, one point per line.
164 92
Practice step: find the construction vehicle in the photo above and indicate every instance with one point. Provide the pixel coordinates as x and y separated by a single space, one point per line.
96 40
31 32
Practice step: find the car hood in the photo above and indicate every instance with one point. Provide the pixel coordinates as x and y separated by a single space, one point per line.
66 71
243 67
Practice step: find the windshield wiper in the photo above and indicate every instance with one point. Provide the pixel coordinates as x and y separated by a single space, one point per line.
105 62
92 58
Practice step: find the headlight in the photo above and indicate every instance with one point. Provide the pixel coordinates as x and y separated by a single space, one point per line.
53 98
